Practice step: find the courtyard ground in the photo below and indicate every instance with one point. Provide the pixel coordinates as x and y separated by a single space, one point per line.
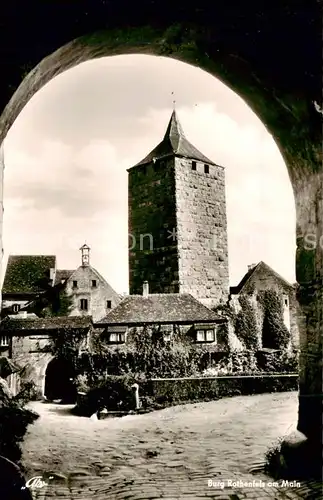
168 454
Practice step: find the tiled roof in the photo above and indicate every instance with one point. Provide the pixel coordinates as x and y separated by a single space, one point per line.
63 274
260 266
158 308
27 273
41 324
175 143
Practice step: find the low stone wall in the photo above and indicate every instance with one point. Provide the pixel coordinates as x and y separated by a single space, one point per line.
180 390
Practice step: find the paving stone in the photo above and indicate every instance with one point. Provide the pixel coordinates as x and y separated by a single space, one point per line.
195 443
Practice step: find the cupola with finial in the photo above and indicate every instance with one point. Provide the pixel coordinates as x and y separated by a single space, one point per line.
85 253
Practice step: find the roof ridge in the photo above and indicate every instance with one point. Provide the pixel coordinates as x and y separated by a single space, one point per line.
175 143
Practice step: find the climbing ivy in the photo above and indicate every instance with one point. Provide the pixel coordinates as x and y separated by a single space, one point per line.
66 344
246 327
275 335
54 302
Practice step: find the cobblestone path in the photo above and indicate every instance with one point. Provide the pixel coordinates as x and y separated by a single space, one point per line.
169 454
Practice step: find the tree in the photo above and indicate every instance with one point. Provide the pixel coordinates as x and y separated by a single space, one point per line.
53 302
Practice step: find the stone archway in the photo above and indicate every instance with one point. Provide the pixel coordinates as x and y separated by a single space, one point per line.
58 384
271 56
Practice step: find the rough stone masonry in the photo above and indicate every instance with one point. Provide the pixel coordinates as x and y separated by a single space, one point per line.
178 222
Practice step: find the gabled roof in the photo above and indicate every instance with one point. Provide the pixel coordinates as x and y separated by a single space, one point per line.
175 143
42 324
261 266
100 278
159 308
27 273
63 274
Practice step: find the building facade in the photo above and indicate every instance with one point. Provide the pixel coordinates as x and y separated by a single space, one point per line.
178 222
261 277
30 279
91 294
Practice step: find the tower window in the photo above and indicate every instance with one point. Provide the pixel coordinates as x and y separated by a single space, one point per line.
206 169
193 165
94 283
83 304
109 304
74 284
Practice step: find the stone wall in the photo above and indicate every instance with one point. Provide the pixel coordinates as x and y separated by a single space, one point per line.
202 232
97 296
152 220
184 211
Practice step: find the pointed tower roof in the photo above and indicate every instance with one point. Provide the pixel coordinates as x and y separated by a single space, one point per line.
175 143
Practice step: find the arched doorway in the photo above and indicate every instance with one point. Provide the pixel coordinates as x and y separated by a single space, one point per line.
59 381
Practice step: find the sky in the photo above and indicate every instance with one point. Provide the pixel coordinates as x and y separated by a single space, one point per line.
67 153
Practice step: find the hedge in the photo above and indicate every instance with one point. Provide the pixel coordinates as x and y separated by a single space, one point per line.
115 393
201 389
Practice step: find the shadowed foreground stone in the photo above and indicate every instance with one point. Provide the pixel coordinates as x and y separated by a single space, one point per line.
12 483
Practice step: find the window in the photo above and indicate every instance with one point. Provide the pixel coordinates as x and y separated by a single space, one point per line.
15 308
206 169
205 336
286 301
4 341
74 284
193 165
117 338
210 335
109 304
94 283
83 305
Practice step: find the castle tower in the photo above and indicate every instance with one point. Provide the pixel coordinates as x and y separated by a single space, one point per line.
177 221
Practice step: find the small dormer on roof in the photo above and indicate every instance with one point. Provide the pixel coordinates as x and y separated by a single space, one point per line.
175 144
85 255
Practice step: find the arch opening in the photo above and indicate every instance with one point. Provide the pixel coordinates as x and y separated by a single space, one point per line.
293 120
59 383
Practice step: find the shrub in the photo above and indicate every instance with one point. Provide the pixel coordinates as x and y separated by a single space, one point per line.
14 420
284 361
242 363
113 393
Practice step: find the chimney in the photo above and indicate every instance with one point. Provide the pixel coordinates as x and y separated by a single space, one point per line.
251 266
145 289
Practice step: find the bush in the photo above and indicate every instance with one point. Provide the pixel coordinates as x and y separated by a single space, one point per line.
14 420
113 393
243 363
284 361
